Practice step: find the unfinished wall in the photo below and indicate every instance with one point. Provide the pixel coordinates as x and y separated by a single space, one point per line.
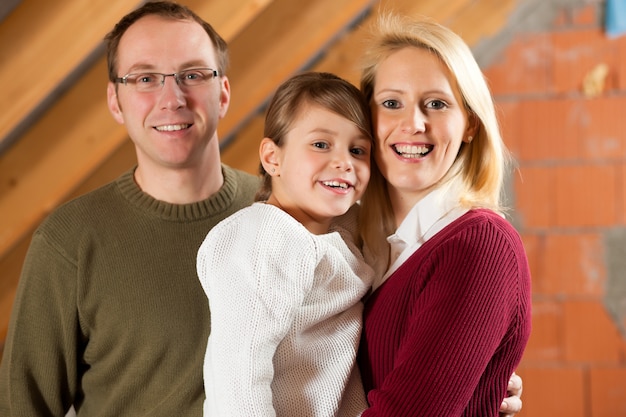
561 86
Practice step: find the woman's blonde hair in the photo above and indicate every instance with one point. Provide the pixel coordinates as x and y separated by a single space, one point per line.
479 169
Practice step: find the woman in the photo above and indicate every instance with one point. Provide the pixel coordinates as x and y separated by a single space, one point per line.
448 322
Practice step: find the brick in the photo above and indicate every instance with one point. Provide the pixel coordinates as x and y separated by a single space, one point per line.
620 73
552 391
608 391
550 130
574 266
586 16
568 129
562 20
578 52
601 138
590 334
547 337
534 192
510 124
585 195
525 67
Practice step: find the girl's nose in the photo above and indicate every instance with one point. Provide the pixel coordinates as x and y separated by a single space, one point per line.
343 161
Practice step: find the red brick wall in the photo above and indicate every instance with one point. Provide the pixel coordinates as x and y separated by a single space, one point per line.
569 203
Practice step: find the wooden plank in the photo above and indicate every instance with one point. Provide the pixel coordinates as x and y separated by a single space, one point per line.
283 39
41 43
10 266
7 7
61 149
243 153
492 15
231 16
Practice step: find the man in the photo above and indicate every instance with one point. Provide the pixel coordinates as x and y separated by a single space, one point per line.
109 316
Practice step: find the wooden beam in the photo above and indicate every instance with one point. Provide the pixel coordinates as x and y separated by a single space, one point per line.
42 42
493 15
281 41
7 7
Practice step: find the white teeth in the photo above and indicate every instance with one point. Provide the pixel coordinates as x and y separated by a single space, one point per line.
335 184
172 128
412 150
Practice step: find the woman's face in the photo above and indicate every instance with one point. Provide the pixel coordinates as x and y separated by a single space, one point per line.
419 122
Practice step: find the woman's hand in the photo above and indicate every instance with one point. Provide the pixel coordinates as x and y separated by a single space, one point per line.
513 403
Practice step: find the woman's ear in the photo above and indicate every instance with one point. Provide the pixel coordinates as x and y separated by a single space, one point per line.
473 126
269 155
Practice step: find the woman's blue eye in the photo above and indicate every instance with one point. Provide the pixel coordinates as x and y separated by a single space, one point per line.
436 104
391 104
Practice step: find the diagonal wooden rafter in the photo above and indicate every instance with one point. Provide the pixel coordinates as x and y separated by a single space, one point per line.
41 44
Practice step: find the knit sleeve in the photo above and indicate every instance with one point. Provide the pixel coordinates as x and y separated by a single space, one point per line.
465 328
255 269
38 372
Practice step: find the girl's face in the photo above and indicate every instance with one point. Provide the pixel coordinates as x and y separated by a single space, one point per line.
322 168
419 123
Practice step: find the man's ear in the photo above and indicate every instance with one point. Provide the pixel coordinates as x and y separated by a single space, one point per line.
269 153
224 96
114 104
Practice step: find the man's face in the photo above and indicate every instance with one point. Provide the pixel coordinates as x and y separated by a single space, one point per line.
175 126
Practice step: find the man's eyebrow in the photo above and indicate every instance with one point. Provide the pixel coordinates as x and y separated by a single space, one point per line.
151 68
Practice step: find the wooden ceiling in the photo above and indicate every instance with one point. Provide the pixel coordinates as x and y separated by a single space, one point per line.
58 140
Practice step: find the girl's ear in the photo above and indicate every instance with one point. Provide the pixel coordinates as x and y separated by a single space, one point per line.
269 155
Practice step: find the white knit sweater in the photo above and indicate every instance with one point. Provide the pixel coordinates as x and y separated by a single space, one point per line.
285 317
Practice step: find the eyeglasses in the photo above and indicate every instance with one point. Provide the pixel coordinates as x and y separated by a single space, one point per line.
147 82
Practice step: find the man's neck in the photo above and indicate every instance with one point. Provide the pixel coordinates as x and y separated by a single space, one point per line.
180 185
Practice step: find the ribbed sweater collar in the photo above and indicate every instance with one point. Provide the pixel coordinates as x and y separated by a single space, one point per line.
215 204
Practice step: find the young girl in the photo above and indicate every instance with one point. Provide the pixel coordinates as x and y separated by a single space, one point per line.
284 283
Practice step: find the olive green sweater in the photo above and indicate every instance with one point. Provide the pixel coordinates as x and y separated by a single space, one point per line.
109 314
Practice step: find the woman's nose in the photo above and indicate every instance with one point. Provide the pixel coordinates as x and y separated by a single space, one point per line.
414 121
